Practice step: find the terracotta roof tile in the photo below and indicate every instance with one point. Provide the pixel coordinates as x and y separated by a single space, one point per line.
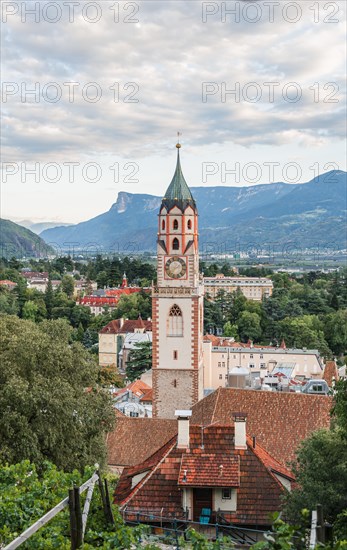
209 470
135 439
280 421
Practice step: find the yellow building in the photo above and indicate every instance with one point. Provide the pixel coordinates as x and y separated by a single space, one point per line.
253 288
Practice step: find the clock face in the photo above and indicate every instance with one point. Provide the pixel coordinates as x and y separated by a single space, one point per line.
175 267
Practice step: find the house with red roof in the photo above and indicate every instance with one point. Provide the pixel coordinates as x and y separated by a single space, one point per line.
112 339
10 285
207 474
134 400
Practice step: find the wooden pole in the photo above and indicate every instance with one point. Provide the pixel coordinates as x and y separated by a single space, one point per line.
108 504
102 493
320 524
78 513
72 519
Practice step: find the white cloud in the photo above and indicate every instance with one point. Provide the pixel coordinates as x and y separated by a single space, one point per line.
168 55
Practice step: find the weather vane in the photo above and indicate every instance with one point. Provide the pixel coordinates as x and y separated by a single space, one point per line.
178 139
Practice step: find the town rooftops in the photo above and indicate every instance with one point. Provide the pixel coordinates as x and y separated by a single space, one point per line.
280 421
220 343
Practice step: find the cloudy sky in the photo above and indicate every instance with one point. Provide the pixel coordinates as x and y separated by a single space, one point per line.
94 93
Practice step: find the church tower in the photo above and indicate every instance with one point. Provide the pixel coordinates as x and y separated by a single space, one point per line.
177 303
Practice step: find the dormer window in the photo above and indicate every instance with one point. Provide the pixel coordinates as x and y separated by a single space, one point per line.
175 244
175 224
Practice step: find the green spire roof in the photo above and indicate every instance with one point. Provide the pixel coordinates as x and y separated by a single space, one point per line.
178 192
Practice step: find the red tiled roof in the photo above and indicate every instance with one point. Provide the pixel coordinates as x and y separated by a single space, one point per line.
209 470
117 292
138 387
279 420
135 439
97 301
259 492
330 373
148 396
36 274
7 282
129 325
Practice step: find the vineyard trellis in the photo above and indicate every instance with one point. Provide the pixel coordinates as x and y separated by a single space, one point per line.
78 518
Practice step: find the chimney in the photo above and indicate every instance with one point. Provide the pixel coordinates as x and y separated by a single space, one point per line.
240 430
183 428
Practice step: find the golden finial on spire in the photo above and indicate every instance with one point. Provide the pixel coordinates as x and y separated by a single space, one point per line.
178 145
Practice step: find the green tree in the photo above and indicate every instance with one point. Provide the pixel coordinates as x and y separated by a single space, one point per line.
30 310
249 326
140 360
49 297
68 285
321 466
230 330
305 331
46 411
8 302
335 330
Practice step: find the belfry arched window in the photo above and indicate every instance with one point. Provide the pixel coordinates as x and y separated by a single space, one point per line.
175 244
189 224
175 321
163 225
175 224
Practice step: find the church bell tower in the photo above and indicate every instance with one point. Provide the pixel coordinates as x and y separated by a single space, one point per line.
177 303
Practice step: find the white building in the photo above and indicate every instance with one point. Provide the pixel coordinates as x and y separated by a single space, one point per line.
223 354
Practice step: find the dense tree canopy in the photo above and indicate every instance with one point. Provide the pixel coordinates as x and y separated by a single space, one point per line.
321 467
50 404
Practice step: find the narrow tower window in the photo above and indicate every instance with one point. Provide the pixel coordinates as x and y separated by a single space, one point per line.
175 321
163 225
175 224
189 225
175 244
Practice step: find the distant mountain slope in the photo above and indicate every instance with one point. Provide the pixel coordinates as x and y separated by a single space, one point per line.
38 227
309 215
18 241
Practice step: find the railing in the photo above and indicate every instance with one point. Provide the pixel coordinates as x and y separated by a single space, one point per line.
174 527
78 519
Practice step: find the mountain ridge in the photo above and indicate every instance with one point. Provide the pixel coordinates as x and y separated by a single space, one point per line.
259 213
